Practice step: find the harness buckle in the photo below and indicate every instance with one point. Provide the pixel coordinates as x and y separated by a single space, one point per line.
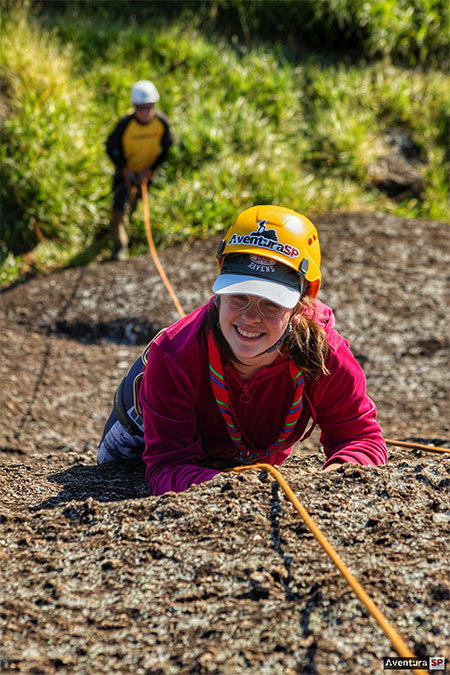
136 386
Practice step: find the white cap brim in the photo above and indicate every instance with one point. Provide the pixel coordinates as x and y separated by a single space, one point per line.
236 284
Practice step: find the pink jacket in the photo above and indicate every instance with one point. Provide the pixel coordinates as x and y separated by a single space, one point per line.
183 427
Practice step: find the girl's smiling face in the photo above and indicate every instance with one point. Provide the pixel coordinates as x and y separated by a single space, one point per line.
249 333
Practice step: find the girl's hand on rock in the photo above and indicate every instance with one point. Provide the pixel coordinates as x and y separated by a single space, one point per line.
332 466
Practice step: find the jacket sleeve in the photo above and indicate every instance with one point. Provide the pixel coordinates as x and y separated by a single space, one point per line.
345 413
166 142
114 147
173 450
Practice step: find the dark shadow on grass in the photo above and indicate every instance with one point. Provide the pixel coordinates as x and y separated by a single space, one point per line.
110 482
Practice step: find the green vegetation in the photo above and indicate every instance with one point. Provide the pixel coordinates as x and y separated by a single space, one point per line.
260 123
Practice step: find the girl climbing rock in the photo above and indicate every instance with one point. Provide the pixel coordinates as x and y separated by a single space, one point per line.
244 377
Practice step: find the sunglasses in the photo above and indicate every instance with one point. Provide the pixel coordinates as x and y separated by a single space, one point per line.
145 106
267 309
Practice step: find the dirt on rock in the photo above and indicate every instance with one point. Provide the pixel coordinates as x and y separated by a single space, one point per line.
98 577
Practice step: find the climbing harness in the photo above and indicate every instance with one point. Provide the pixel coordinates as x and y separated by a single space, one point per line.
120 409
122 413
220 392
397 642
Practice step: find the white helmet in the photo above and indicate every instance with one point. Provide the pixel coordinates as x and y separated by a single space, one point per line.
144 91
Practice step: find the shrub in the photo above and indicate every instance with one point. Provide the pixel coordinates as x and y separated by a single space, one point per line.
251 123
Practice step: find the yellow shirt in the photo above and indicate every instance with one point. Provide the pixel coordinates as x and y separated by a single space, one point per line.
142 143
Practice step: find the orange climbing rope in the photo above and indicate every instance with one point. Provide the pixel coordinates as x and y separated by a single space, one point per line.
419 446
397 642
151 244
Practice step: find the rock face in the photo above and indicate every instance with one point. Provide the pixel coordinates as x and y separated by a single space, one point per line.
98 577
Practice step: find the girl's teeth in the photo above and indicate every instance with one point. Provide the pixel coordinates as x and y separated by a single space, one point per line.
246 333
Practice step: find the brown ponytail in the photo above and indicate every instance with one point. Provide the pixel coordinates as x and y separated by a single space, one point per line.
307 343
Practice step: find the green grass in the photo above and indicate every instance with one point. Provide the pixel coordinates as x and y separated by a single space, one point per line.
251 125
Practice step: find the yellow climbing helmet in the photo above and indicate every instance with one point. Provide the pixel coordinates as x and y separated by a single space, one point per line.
279 234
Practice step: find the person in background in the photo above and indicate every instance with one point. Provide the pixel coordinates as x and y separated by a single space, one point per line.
244 377
138 145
